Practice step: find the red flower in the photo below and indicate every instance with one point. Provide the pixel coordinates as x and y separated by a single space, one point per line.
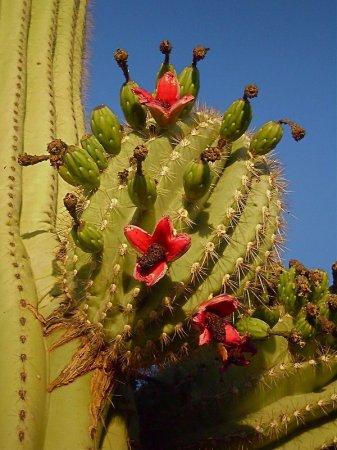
211 320
166 105
157 249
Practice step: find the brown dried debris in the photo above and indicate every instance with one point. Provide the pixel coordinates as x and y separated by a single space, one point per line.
83 361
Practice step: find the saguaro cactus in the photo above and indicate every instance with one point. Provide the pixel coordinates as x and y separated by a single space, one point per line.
115 243
41 59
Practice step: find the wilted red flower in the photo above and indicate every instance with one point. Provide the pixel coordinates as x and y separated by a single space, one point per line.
166 105
211 320
157 249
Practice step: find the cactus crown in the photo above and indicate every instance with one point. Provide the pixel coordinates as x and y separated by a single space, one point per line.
170 210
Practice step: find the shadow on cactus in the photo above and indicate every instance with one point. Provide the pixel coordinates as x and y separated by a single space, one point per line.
176 218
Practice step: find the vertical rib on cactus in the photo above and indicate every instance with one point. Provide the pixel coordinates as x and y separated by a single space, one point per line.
23 371
47 57
63 72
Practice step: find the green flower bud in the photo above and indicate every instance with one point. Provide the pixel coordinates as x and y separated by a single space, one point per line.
133 111
256 328
95 150
266 138
236 120
88 238
142 190
106 128
197 180
81 167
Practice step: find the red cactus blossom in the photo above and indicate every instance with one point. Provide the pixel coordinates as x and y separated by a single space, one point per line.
157 249
166 105
211 321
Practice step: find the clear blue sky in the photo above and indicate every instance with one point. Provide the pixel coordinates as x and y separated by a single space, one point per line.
288 48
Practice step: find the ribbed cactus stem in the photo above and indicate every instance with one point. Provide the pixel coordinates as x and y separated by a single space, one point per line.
41 83
23 361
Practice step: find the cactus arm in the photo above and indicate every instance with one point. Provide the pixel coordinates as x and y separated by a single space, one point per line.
38 211
39 184
78 77
323 436
63 67
22 359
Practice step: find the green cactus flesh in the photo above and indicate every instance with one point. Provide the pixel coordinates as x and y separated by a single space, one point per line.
281 400
77 324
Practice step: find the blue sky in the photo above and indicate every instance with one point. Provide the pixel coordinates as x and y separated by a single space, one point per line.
287 48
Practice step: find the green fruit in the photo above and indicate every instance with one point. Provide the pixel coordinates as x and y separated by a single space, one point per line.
266 138
106 128
256 328
68 177
189 81
166 68
142 191
197 180
236 120
133 111
95 150
88 238
81 167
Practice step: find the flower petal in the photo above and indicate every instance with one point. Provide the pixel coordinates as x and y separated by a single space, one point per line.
168 88
222 305
163 232
233 337
160 114
177 107
138 238
205 337
157 272
144 96
200 319
177 246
